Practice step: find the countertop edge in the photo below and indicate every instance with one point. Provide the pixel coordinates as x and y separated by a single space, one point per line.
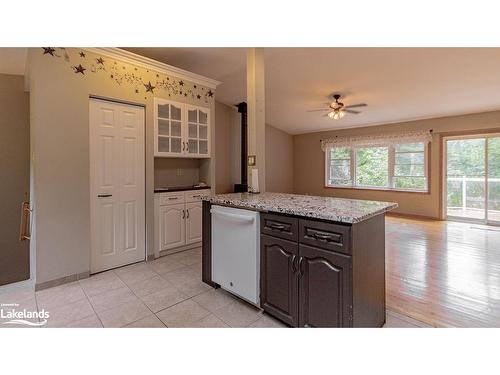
311 215
174 189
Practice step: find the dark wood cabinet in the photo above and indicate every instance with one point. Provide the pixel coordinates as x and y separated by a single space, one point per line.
279 281
324 288
332 275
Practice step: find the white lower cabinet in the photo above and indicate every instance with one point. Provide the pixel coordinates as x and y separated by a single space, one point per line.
172 229
193 223
178 219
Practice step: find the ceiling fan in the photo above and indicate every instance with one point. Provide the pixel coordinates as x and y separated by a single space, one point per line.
337 110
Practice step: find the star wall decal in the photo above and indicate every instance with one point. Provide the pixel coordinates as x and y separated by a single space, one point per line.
198 96
48 50
100 60
149 87
82 54
210 93
181 83
79 69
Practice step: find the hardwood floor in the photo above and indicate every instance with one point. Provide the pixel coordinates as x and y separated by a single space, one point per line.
444 273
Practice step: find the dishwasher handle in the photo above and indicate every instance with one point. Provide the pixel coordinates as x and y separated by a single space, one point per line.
233 217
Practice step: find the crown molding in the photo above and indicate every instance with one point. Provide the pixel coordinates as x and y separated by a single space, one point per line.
145 62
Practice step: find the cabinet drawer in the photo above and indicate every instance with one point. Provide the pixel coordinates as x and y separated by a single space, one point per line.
325 235
171 198
279 226
196 195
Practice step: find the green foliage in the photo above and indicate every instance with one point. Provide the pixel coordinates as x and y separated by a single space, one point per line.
372 166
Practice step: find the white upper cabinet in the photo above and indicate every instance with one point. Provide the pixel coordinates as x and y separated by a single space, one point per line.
198 131
181 130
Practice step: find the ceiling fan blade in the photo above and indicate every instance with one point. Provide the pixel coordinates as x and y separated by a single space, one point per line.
319 110
325 115
351 111
356 105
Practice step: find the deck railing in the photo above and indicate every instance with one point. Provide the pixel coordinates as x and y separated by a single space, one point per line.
464 181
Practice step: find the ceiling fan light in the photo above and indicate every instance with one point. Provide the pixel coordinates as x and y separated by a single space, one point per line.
341 114
331 114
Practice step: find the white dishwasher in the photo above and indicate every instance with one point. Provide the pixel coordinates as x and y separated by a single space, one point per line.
236 251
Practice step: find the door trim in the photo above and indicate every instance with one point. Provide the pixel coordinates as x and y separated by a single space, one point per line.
144 198
117 101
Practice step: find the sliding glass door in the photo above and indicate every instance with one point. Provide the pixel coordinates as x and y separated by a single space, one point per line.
493 203
472 186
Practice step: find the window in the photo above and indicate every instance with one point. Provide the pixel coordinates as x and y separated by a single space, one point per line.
340 166
409 166
372 168
395 167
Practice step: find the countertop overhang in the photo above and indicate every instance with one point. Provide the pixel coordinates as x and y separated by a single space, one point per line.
349 211
179 188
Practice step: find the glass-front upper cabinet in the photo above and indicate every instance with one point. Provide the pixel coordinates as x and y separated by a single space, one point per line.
181 130
169 117
198 134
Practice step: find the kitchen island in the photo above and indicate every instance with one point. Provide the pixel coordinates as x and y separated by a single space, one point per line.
321 260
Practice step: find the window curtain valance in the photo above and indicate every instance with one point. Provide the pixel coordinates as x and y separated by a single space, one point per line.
377 140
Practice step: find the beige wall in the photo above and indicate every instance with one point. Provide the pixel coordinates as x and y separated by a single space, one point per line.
227 147
279 160
309 161
59 105
279 153
14 168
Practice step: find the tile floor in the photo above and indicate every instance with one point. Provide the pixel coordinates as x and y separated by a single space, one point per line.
167 292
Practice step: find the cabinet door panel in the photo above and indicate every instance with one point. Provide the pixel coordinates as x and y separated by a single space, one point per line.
172 226
168 122
197 133
279 284
193 223
324 289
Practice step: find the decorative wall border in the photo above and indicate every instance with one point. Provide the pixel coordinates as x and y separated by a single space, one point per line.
145 62
143 75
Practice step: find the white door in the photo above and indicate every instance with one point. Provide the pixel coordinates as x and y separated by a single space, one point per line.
193 222
117 178
172 226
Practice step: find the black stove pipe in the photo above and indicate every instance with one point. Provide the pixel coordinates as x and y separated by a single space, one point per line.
243 186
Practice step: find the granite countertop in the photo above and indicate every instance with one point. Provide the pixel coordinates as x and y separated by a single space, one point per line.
326 208
179 188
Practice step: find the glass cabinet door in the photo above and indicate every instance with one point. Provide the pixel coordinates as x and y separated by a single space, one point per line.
197 133
169 128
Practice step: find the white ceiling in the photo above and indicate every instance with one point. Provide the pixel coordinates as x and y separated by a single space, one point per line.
398 84
12 60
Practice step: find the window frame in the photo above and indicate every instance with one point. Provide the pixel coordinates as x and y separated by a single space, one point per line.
391 169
